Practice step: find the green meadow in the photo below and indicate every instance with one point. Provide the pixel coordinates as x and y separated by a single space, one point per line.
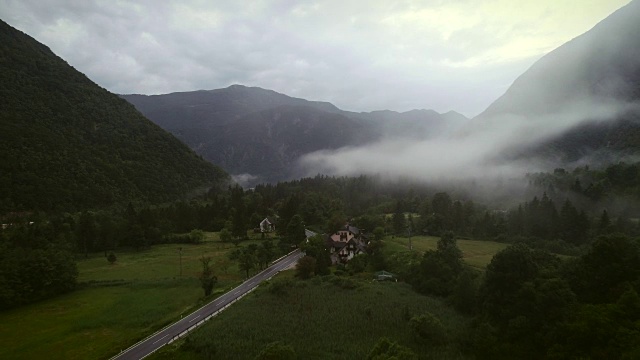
116 304
477 254
121 303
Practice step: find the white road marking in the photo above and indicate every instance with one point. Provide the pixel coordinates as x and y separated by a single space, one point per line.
161 338
225 300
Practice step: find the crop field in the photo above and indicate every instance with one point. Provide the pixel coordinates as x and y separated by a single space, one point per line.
322 318
116 303
476 253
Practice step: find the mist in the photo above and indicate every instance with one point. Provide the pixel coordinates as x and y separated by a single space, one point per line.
486 149
588 81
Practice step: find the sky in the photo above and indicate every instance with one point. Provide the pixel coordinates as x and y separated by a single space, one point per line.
455 55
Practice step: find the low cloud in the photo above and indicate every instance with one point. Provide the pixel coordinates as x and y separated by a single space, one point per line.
244 179
486 150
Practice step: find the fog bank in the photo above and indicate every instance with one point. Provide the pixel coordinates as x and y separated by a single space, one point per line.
486 149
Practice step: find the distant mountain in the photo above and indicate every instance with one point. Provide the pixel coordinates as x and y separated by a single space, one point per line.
68 144
261 134
414 124
598 67
208 109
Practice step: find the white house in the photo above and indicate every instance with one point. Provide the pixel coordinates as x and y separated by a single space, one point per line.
268 225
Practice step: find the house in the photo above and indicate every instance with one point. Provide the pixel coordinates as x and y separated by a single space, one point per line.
346 243
268 225
309 234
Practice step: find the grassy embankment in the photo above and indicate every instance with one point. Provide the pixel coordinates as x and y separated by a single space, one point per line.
116 305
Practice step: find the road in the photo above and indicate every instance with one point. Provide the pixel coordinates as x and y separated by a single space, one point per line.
168 334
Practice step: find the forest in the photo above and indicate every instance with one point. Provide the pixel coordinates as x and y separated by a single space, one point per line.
567 283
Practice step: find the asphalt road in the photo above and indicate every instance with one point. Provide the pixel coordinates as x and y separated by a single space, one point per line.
168 334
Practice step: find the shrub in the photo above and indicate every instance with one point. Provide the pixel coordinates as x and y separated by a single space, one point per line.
429 328
279 286
387 350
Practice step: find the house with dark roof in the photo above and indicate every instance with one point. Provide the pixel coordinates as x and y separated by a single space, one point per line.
346 243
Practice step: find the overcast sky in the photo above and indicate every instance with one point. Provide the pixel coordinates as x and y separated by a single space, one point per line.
360 55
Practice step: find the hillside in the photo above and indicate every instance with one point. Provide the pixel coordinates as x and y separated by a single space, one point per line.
261 133
67 143
591 79
603 62
269 142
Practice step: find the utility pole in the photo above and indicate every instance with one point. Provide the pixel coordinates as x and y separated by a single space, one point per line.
180 254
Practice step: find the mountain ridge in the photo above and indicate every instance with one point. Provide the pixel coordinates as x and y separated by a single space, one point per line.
221 125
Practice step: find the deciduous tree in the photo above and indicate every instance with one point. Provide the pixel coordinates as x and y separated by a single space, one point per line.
207 279
305 267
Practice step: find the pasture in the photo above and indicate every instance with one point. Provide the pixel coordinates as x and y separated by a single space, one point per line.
116 304
475 253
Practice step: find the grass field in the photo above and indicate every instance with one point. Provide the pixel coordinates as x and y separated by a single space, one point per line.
477 254
143 291
328 318
116 305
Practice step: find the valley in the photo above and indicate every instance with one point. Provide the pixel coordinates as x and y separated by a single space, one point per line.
130 200
143 292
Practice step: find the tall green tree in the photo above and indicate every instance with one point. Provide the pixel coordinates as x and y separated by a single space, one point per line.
305 267
604 224
288 210
207 278
611 266
87 232
439 269
246 261
441 205
386 349
316 248
239 217
399 221
295 230
265 253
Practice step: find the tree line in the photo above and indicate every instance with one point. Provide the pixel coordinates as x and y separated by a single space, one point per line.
530 304
559 220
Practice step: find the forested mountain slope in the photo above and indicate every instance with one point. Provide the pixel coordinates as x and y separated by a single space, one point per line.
591 82
66 143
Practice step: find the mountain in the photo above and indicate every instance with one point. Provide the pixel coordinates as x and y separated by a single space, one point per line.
260 134
68 144
414 124
267 144
207 109
594 77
